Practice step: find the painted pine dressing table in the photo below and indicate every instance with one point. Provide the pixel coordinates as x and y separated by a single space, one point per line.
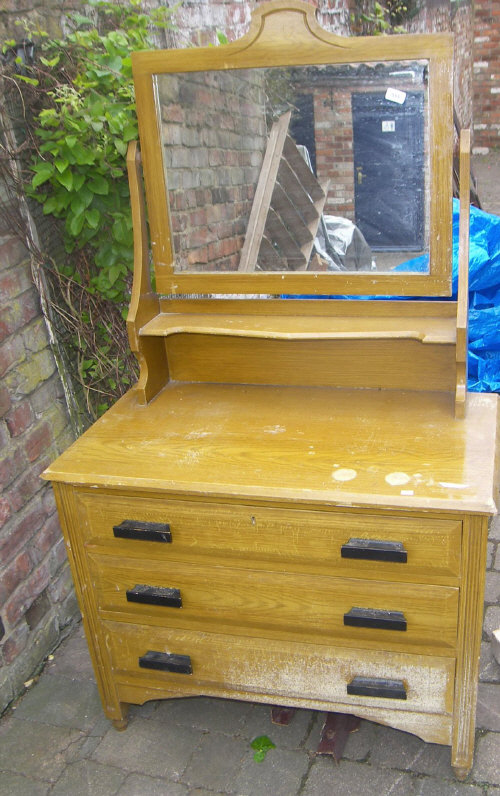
291 505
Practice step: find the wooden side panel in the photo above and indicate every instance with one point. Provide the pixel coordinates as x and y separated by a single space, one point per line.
68 517
469 640
391 364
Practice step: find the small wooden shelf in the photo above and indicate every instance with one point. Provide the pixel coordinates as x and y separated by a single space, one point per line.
433 330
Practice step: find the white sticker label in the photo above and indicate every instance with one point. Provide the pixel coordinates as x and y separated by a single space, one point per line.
388 127
394 95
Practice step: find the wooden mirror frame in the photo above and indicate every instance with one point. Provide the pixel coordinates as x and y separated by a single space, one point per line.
286 33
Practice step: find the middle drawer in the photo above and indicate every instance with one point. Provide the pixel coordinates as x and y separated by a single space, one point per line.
320 609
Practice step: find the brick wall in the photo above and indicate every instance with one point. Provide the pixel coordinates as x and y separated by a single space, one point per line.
215 136
486 76
36 596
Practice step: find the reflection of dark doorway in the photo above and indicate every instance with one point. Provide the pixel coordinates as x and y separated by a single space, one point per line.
302 124
388 141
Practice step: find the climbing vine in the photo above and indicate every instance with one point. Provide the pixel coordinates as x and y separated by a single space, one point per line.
76 99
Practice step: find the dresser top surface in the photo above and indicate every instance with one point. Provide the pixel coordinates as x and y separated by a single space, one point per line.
364 448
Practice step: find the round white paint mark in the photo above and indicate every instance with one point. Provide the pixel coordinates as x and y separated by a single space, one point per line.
344 474
397 479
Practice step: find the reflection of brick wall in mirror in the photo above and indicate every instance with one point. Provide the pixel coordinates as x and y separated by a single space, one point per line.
214 135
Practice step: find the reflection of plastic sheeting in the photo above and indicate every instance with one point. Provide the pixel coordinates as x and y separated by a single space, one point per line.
342 245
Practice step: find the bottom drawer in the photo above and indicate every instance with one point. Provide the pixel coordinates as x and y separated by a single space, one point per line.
203 662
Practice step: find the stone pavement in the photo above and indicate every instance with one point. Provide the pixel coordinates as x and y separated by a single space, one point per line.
56 741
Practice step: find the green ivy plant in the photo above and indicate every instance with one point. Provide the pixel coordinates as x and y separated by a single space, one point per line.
79 170
373 18
79 115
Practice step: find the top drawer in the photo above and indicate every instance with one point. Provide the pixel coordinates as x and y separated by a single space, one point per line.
276 538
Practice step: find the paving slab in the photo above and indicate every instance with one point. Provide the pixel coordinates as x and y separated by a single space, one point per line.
204 713
290 736
62 702
36 751
86 778
17 785
489 666
488 707
355 779
281 773
430 786
72 658
140 785
487 759
149 747
216 762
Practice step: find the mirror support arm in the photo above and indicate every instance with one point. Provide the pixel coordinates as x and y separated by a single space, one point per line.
463 275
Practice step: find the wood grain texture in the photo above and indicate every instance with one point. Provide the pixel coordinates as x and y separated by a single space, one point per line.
470 627
287 606
291 670
113 707
289 444
463 276
275 539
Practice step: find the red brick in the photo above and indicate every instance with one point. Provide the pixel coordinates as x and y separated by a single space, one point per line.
19 418
38 441
11 352
21 531
11 466
15 643
5 511
26 594
45 539
24 488
5 402
16 572
13 252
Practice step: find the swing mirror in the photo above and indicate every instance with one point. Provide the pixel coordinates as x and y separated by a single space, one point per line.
268 173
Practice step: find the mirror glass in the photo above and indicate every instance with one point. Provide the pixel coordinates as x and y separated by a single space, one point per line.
311 168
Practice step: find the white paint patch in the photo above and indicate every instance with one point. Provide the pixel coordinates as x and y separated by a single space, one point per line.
397 479
451 485
344 474
407 492
274 429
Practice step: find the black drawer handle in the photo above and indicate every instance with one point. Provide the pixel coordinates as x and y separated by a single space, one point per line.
375 687
145 531
371 617
166 662
154 595
374 550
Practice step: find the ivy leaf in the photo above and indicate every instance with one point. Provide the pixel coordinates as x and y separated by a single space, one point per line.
93 217
66 179
262 745
99 185
76 223
43 172
61 164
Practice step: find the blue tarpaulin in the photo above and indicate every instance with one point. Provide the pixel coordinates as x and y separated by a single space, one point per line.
484 296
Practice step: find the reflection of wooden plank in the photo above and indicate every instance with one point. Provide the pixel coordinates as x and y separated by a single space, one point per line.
290 215
268 258
287 245
263 194
302 170
300 198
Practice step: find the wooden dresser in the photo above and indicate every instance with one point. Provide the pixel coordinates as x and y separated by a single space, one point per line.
291 506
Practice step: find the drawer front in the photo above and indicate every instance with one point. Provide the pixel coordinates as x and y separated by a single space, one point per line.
421 549
200 662
275 604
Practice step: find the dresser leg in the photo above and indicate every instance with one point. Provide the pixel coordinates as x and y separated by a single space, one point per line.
121 723
461 772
